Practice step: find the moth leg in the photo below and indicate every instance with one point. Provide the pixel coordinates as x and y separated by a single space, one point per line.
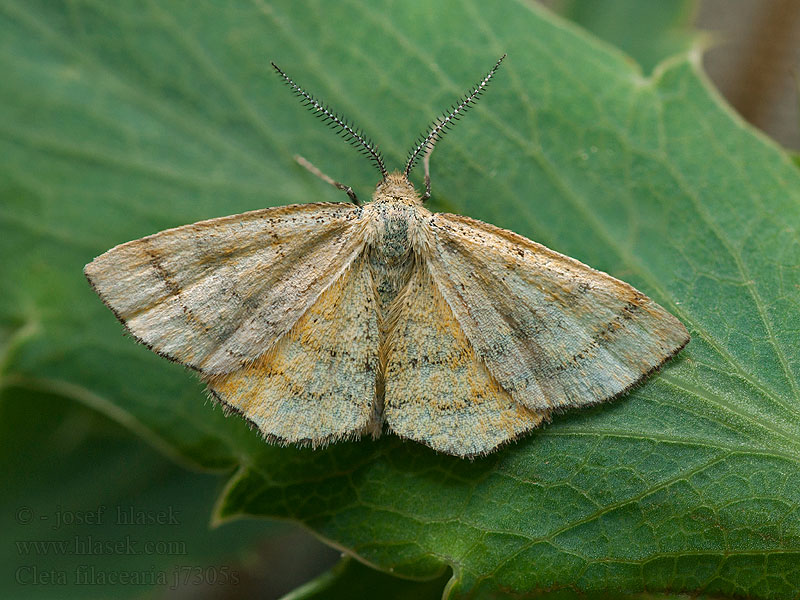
426 163
345 188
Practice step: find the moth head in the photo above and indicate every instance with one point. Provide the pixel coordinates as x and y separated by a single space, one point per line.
396 187
392 185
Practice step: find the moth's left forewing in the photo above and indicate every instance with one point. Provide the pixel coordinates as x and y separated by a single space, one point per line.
554 332
217 294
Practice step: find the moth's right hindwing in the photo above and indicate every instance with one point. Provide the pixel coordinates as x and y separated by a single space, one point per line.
438 390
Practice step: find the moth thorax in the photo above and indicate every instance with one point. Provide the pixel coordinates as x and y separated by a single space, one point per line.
391 251
396 188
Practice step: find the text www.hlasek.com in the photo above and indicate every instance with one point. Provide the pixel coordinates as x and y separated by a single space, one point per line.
89 545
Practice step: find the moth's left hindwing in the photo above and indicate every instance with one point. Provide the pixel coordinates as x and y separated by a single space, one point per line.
317 383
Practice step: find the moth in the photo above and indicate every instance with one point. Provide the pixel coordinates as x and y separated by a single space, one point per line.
326 321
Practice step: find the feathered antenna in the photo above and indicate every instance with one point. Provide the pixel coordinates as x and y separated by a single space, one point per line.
354 136
442 124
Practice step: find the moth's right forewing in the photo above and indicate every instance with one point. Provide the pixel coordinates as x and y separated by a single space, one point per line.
217 294
554 332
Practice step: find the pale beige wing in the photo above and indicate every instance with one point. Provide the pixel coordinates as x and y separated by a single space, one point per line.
317 384
437 389
553 332
217 294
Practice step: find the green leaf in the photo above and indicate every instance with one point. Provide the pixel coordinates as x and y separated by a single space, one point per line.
74 486
120 119
648 31
350 579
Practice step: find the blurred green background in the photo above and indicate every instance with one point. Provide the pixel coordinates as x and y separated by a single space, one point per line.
73 463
